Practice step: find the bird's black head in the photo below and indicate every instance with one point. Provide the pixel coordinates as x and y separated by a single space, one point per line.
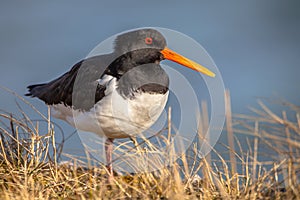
136 48
139 40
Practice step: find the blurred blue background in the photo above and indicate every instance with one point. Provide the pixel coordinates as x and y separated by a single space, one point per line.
255 44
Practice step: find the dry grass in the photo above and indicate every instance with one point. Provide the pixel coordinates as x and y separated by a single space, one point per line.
29 168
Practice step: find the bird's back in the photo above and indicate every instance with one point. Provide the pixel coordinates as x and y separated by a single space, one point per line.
78 83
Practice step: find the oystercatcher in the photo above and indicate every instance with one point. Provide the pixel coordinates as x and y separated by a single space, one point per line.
116 95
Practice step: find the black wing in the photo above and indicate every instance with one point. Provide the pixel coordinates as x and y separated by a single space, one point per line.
78 87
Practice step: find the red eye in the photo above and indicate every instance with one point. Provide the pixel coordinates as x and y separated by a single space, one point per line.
148 40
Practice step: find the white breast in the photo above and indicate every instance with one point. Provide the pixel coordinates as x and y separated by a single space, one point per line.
113 116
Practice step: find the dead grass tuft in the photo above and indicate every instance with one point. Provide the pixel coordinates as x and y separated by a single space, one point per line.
267 168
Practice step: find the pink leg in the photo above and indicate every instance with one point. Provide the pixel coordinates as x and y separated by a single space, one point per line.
108 151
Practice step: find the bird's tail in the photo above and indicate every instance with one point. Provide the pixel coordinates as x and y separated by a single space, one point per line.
35 90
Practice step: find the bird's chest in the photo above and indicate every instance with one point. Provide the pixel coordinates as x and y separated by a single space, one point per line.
120 117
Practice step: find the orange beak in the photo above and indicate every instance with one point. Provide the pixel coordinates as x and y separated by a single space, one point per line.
173 56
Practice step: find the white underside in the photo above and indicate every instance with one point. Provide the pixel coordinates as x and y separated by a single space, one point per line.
113 116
